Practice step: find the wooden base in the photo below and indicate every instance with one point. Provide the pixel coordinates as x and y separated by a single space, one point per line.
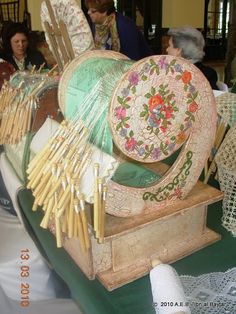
115 279
132 243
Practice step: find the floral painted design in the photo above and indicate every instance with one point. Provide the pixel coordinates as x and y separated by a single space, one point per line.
158 111
174 189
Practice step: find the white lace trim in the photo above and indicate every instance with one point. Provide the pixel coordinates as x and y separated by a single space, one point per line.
213 293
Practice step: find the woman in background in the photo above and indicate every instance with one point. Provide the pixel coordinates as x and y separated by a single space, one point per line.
6 70
16 50
188 43
113 31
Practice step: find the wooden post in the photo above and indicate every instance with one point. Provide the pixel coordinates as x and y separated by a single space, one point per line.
57 32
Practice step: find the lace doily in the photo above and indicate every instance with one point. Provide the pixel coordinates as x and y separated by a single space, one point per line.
226 107
226 163
213 293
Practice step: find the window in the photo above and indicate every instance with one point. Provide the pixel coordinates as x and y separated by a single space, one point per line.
217 19
217 14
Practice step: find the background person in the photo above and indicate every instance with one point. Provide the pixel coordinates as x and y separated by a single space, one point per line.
113 31
6 70
188 42
16 50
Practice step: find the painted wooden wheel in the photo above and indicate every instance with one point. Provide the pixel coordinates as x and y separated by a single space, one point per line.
160 104
154 107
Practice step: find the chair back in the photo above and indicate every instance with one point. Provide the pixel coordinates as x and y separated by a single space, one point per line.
9 11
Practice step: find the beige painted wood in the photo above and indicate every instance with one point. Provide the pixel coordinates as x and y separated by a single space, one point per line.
114 279
131 244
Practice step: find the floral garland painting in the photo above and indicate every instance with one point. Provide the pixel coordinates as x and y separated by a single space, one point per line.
154 127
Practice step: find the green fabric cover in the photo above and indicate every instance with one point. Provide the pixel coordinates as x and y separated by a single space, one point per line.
105 71
19 155
131 174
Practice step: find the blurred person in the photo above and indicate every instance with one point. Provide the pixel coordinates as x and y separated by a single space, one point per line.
6 70
16 48
187 42
113 31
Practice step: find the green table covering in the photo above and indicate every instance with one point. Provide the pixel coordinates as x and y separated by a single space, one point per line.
135 297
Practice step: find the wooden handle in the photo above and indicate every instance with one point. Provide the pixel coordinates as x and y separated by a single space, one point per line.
156 262
45 220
